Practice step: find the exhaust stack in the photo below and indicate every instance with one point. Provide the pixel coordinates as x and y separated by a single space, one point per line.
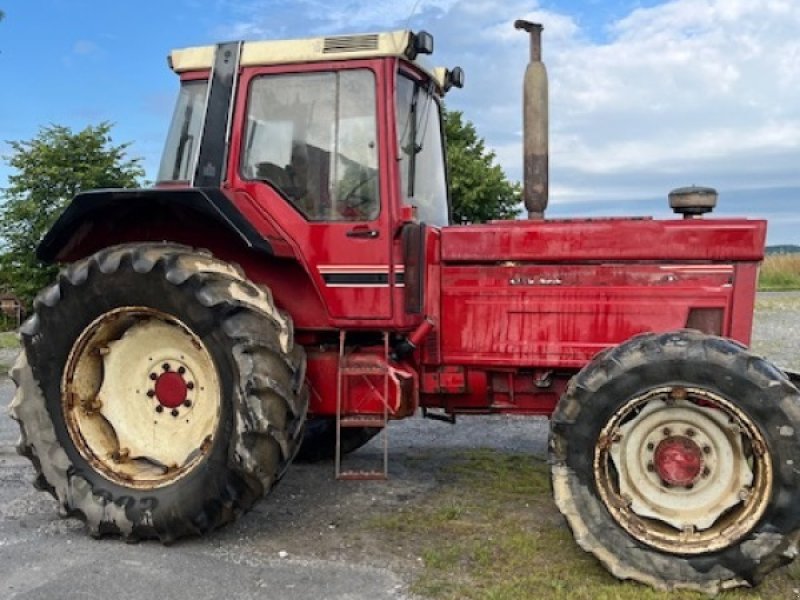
535 126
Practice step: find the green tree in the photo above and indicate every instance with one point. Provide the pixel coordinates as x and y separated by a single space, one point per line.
50 169
479 190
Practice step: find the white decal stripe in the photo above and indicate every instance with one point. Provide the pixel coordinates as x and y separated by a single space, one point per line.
359 268
357 285
709 268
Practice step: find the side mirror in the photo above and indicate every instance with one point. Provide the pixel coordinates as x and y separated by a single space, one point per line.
454 78
420 43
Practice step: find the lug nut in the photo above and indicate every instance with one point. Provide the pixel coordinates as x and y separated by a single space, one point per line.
187 403
153 376
165 366
666 431
706 472
650 445
174 412
181 370
159 408
151 393
651 467
678 393
706 449
690 432
189 385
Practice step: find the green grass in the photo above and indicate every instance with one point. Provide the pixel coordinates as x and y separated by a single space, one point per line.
8 339
490 531
780 272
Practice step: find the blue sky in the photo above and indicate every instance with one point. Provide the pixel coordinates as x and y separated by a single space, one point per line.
645 96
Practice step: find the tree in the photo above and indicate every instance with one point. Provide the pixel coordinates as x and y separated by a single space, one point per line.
51 169
479 190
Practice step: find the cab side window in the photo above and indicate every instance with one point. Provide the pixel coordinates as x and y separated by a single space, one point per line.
313 136
421 151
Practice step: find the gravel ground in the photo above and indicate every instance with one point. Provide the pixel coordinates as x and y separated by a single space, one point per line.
776 331
7 356
305 540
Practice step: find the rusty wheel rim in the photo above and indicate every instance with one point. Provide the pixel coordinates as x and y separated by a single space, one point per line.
683 470
141 397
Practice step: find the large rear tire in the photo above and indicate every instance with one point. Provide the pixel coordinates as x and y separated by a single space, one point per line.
159 393
674 462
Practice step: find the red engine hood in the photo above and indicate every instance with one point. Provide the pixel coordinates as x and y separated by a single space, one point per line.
621 239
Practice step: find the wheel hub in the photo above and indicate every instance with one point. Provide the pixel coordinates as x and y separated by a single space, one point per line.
678 461
170 389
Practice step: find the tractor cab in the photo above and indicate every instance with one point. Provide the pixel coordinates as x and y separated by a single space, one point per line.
335 142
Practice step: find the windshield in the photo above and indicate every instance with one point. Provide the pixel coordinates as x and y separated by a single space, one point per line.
313 136
422 166
184 132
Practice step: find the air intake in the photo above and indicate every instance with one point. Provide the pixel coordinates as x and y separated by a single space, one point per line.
350 43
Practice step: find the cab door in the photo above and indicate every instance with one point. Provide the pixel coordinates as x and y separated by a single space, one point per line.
310 158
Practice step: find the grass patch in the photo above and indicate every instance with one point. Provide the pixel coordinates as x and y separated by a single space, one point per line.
780 272
490 531
8 339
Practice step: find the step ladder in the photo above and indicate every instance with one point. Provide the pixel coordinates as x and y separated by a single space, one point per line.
366 367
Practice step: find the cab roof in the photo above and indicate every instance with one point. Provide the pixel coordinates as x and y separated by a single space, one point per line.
341 47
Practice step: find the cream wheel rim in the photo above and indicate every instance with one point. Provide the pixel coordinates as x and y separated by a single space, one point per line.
141 397
684 470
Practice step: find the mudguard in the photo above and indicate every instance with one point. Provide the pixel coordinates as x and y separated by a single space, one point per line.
100 206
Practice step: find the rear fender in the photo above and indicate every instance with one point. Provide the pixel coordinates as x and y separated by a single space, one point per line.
104 217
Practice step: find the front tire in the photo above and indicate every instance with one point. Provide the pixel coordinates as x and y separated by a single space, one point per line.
672 460
159 393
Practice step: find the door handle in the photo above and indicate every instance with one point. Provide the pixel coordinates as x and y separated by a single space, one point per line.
362 232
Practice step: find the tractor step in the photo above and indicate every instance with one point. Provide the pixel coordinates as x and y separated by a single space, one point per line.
363 475
363 421
362 366
365 370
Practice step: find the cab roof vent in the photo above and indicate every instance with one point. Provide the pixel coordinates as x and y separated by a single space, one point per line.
350 43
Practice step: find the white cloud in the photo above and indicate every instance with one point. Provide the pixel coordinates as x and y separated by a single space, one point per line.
318 17
688 91
686 87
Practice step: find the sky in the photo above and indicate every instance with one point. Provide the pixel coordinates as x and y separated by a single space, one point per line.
645 96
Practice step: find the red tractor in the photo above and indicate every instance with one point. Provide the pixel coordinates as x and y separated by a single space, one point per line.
163 390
